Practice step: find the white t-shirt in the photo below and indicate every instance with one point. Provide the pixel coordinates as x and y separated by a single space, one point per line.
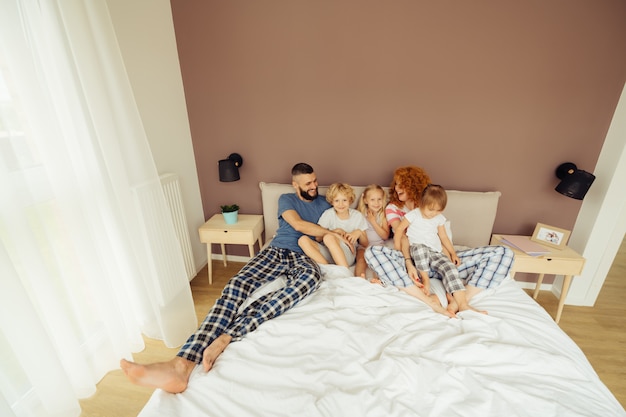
356 220
423 230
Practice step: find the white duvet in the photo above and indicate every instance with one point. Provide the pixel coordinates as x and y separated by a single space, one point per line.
356 349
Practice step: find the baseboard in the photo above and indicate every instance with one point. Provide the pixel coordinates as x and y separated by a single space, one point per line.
230 258
531 286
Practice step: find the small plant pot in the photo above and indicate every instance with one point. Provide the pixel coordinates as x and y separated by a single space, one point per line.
230 217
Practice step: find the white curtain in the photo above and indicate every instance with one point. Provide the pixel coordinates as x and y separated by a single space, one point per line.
88 256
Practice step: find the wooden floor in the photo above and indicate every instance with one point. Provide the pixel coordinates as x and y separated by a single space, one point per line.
600 332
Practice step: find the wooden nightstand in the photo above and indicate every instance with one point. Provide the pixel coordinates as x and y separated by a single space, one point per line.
247 231
566 262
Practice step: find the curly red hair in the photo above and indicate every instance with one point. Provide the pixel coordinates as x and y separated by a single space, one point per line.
412 180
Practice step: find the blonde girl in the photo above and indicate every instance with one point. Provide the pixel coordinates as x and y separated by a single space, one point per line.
372 204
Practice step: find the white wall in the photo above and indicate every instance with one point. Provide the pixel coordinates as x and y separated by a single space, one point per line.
145 33
601 223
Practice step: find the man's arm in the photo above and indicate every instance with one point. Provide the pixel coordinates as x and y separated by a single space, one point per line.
311 229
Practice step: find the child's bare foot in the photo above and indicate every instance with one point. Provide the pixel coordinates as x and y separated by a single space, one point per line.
471 291
214 350
469 307
432 302
171 376
453 306
376 281
435 299
460 298
438 308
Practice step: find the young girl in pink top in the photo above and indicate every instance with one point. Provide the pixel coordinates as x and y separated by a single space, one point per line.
372 204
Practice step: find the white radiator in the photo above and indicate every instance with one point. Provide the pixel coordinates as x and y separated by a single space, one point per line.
174 198
166 274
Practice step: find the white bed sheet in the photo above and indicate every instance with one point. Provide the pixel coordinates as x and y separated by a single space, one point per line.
357 349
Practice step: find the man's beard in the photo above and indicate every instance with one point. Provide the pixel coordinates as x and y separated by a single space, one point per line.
304 194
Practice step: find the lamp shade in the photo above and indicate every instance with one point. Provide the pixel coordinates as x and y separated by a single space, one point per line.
574 182
229 168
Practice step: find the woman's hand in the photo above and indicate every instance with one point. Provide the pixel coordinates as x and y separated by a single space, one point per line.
414 274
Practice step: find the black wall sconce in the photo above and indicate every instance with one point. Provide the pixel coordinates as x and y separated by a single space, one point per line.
229 168
574 182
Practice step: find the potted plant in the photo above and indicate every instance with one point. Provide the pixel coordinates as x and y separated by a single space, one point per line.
230 212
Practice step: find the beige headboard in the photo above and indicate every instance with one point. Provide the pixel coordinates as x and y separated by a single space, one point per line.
471 213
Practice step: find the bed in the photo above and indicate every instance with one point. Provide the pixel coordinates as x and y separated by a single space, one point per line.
357 349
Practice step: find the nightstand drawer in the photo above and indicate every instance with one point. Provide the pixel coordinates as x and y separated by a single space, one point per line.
547 265
227 236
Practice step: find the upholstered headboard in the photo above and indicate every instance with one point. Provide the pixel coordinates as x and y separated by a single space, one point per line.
471 213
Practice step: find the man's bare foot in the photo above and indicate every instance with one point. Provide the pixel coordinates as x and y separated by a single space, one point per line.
171 376
214 350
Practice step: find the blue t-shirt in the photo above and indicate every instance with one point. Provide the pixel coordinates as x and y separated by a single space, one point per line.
286 236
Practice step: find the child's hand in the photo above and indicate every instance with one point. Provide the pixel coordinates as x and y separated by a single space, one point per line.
455 259
353 236
346 239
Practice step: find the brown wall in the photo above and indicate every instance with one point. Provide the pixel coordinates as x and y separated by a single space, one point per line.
485 95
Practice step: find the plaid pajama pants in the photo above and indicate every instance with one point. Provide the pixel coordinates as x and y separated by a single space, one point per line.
428 259
483 267
303 278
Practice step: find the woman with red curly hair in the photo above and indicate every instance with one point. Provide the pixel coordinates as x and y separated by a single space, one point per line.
404 192
480 268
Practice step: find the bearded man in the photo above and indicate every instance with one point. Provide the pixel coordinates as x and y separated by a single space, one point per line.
298 214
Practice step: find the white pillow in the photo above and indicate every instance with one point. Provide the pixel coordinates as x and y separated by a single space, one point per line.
471 213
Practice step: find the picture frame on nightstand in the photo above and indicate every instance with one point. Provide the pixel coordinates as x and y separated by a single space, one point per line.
554 237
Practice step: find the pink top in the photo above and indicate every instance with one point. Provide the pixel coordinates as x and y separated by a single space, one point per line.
393 212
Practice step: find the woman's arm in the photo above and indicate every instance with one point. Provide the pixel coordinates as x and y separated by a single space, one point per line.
414 274
398 233
394 215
